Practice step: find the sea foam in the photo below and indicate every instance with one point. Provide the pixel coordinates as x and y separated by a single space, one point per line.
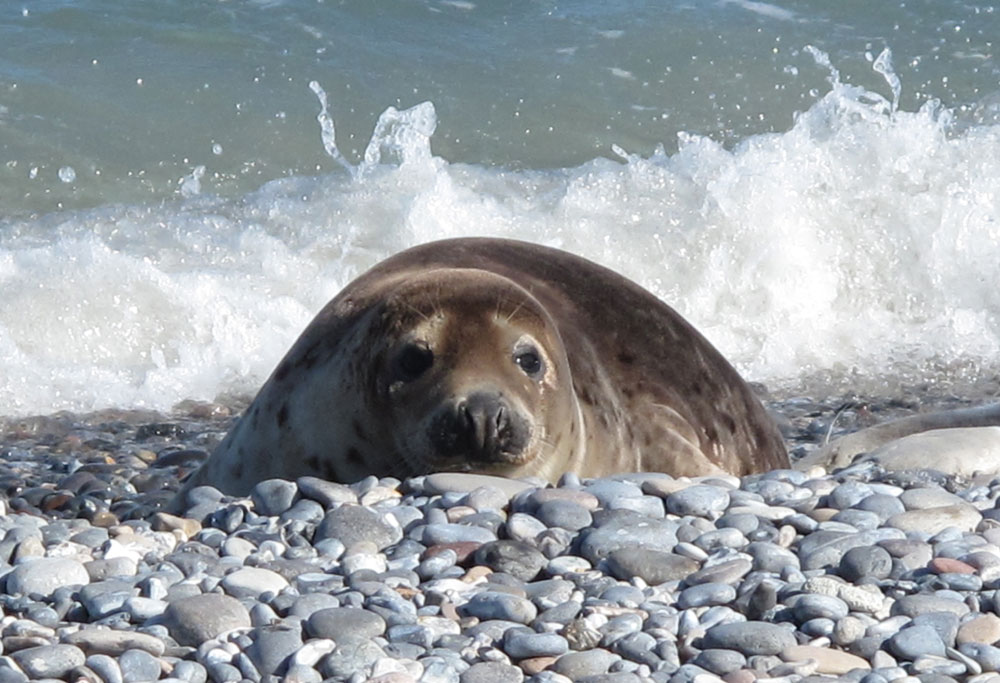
862 245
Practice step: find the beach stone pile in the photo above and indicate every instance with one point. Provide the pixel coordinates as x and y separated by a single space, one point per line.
861 575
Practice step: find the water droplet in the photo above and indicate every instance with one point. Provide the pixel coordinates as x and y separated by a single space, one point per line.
216 149
67 174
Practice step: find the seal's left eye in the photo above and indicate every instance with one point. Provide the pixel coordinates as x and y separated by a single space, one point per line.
413 361
529 361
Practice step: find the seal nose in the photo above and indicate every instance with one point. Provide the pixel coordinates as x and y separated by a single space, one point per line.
485 419
479 427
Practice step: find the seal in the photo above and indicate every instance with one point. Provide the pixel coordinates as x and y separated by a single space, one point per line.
498 357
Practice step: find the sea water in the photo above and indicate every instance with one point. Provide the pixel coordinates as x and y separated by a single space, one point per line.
185 183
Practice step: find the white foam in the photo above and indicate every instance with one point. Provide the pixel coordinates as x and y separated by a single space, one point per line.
863 242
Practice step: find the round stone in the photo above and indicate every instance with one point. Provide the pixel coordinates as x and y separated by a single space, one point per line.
523 643
251 582
750 638
577 665
720 662
700 500
811 606
139 665
271 497
516 558
195 619
491 672
873 562
43 575
49 661
565 514
352 524
652 566
829 662
914 641
503 606
342 624
706 594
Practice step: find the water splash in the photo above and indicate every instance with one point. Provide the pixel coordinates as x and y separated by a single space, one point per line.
883 65
190 186
327 132
400 137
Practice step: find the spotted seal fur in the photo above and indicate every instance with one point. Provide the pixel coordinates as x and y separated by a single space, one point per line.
500 357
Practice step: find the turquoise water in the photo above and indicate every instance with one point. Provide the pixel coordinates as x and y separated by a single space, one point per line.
814 184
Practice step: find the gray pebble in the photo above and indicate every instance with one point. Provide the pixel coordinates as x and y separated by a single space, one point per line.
857 563
272 497
706 594
492 672
720 662
106 667
565 514
652 566
351 524
699 500
522 643
915 641
139 665
813 606
43 575
750 638
49 661
443 534
342 624
516 558
193 620
273 645
503 606
579 665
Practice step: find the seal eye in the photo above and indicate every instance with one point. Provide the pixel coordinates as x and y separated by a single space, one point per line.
413 361
529 361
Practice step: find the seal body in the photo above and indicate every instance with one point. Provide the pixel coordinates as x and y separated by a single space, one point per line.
500 357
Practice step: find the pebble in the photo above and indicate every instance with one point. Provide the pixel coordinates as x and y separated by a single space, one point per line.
864 575
652 566
828 661
915 641
49 661
750 638
193 620
44 575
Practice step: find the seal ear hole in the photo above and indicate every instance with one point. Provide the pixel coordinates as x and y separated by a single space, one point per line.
529 359
412 361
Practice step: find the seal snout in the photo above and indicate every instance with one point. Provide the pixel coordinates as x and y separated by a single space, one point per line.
479 427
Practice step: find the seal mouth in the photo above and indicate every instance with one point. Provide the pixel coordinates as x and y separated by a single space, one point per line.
479 430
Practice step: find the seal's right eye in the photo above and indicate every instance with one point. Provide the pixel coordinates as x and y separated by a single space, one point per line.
413 361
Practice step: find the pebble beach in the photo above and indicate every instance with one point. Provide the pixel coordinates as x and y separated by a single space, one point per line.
859 575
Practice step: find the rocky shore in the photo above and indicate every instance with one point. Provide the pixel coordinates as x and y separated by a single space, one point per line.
859 575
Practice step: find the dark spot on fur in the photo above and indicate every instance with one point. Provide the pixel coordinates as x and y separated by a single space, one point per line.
330 470
283 415
697 389
626 358
311 356
354 456
359 430
628 392
255 417
313 463
237 470
711 434
728 423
